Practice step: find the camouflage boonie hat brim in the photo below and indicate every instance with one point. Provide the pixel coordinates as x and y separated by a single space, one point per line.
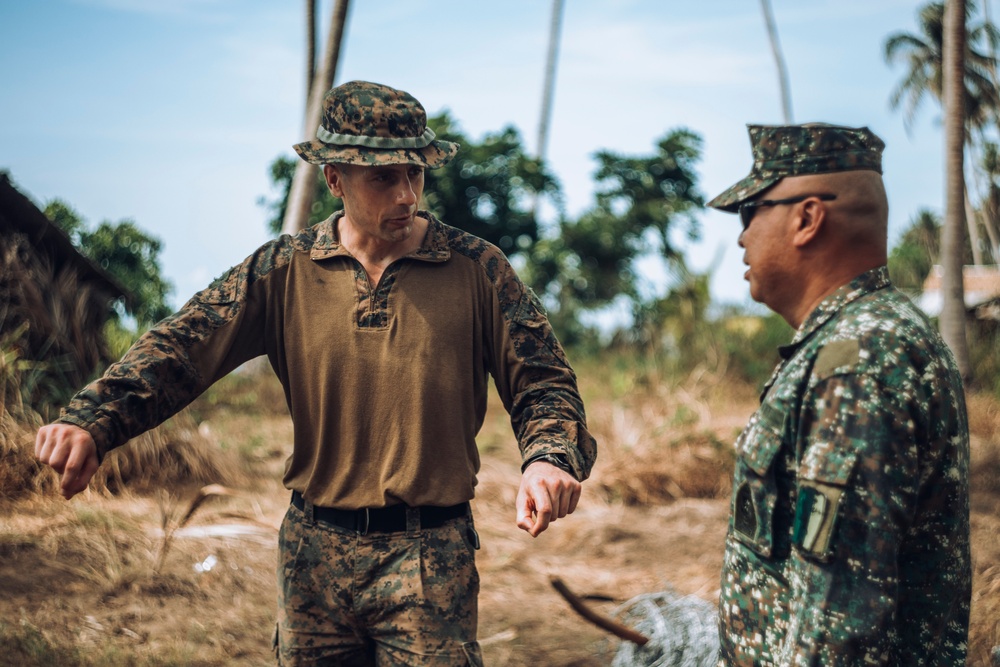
780 151
370 124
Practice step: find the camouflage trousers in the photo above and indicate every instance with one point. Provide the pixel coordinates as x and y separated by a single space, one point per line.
386 599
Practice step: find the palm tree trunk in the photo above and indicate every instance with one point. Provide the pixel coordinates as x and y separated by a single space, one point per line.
310 48
548 90
952 321
971 220
779 60
302 192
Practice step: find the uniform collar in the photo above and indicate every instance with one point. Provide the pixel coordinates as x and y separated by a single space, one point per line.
433 249
868 282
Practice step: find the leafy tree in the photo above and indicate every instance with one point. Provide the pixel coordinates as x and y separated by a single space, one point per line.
591 263
641 200
653 193
127 253
66 219
489 188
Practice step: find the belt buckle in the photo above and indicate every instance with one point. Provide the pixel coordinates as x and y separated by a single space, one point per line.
364 531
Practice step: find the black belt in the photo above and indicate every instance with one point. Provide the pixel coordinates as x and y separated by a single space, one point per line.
381 519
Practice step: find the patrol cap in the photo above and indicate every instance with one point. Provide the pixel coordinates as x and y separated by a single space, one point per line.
799 150
371 124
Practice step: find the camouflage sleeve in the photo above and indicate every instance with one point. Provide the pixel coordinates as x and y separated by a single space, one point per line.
535 381
856 499
172 363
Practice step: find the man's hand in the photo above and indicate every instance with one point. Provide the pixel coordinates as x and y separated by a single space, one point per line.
546 494
71 452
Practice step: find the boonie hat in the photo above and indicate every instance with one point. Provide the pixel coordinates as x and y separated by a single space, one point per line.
797 150
371 124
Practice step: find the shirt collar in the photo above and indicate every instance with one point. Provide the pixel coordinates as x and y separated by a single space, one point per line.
868 282
434 248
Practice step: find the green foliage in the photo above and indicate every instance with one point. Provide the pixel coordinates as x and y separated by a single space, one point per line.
910 261
917 251
750 344
490 188
132 257
66 219
127 253
652 193
640 201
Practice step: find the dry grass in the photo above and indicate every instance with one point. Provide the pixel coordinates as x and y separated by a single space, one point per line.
984 425
661 442
652 516
178 454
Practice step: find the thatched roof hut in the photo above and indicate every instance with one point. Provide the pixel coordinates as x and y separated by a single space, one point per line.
54 303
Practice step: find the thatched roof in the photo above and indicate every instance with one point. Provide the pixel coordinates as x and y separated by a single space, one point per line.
19 214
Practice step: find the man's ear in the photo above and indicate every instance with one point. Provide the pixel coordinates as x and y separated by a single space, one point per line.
334 180
810 222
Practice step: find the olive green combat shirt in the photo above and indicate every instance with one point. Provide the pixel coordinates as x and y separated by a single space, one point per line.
386 385
848 542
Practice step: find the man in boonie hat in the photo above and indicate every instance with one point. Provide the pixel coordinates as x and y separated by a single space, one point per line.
849 535
384 325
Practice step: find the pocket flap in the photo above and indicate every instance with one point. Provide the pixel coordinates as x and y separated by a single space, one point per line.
761 440
828 463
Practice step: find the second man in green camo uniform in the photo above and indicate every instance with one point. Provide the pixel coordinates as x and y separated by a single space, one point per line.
848 542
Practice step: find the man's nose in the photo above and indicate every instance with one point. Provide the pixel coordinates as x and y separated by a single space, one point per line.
407 193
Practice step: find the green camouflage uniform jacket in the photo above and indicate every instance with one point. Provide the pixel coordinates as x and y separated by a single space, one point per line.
848 542
387 385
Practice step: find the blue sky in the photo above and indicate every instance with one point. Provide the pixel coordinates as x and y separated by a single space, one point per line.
169 113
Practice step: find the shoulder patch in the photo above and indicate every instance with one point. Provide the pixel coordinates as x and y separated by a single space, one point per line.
836 355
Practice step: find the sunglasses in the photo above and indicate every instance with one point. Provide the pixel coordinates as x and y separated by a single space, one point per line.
749 209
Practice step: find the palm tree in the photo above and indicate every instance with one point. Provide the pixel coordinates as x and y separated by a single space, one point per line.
923 56
954 96
300 198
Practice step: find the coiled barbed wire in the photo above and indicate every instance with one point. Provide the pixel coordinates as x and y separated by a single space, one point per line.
682 630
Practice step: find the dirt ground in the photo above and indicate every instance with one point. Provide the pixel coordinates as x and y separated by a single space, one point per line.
88 583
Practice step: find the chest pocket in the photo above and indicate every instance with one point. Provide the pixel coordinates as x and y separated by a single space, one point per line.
755 491
823 477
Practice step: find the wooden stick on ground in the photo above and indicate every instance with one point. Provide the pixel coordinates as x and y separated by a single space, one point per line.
603 622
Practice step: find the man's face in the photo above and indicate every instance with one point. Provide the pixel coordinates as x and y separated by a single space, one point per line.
379 201
767 243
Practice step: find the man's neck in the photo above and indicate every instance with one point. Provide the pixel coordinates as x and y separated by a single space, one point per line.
821 285
376 254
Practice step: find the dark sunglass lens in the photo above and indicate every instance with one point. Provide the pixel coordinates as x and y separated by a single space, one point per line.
746 215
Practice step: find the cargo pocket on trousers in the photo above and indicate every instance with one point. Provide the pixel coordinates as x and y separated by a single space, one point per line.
473 654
